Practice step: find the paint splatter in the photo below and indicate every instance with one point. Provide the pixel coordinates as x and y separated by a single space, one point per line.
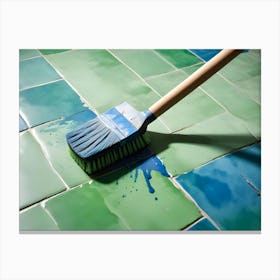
152 164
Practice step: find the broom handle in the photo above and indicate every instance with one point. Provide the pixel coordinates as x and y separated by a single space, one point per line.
193 81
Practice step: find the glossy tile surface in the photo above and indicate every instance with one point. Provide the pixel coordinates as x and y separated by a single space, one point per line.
27 53
36 219
137 198
146 191
221 191
52 136
179 58
49 102
22 124
35 71
37 178
200 143
144 62
202 225
236 102
98 75
245 73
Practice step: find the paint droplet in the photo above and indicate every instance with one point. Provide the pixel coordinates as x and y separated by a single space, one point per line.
156 198
123 196
152 164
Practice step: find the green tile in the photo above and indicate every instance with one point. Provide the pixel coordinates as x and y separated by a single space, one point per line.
27 53
236 102
36 219
35 71
245 72
200 143
37 179
121 200
179 58
165 209
102 80
193 109
165 82
83 209
52 51
49 102
144 62
52 136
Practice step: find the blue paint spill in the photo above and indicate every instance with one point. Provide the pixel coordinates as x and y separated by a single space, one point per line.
152 164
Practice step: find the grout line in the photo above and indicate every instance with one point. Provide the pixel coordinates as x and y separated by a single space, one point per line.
45 152
188 196
193 223
217 158
199 122
244 124
140 77
203 60
143 80
214 99
49 214
77 92
251 185
29 58
164 59
165 73
42 84
237 87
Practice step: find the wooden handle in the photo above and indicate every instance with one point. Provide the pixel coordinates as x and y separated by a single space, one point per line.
193 81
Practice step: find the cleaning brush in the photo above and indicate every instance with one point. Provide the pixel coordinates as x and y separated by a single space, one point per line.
121 131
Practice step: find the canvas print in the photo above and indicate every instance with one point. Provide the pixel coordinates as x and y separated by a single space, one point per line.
139 140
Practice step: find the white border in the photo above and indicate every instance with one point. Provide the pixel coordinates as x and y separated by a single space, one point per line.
143 24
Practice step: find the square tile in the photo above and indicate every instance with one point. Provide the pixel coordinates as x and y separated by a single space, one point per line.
35 71
52 137
115 202
49 102
196 145
179 58
37 179
27 53
102 80
36 219
144 62
220 190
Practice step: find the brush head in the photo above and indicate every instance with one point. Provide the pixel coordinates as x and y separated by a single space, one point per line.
109 137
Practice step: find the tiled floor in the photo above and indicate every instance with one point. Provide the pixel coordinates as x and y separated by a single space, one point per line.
201 171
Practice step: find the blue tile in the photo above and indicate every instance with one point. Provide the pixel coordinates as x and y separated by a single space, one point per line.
248 161
203 224
35 71
221 190
205 54
22 124
49 102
